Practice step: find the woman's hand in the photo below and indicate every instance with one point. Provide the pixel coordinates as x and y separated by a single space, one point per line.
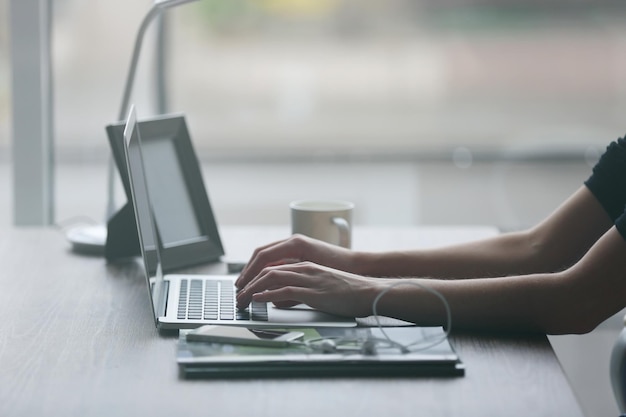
297 248
320 287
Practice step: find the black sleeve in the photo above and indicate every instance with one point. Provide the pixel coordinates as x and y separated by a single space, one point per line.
608 183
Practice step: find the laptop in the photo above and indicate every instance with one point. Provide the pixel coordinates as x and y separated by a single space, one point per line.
182 301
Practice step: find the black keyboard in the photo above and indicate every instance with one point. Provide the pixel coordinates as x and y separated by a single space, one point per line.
214 300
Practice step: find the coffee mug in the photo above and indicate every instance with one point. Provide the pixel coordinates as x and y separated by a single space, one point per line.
327 220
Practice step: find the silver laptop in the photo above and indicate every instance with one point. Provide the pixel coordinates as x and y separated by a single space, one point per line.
188 301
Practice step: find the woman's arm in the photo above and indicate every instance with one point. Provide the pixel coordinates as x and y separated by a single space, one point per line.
574 300
553 245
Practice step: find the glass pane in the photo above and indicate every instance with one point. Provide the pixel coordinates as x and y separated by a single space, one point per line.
399 75
390 76
4 80
456 81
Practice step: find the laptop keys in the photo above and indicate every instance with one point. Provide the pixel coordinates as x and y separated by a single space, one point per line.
227 300
212 300
194 311
182 301
259 311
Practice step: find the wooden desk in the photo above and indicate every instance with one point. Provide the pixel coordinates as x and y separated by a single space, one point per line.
77 339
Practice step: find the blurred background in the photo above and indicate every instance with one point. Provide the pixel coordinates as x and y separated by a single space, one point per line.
420 111
343 77
391 82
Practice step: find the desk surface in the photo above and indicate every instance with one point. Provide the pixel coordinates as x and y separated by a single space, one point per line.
77 339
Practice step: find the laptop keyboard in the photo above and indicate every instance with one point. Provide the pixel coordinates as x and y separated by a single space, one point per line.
214 300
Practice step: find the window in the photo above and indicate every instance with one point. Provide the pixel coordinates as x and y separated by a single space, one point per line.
341 76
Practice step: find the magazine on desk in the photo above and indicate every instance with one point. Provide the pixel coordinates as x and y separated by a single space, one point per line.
310 357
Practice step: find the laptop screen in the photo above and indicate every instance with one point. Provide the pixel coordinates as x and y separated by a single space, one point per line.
146 229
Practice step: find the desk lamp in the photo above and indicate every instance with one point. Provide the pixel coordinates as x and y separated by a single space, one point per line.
92 239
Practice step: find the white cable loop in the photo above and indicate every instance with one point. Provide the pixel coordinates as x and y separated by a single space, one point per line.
405 348
368 346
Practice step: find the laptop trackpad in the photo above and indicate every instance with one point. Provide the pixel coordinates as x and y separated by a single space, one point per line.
306 315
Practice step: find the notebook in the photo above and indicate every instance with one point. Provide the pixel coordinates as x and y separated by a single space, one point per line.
422 357
186 301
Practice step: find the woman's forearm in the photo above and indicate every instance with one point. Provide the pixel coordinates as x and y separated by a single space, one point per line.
513 303
575 300
553 245
499 256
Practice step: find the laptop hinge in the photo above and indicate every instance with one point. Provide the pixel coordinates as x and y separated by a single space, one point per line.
166 294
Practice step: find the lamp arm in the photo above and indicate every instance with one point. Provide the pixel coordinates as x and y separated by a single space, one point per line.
157 7
154 11
132 70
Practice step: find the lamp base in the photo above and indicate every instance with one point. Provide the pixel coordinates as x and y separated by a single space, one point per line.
88 240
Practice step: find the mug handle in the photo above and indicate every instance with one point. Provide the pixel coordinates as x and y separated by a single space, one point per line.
344 231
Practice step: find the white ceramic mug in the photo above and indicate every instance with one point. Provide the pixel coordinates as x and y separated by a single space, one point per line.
327 220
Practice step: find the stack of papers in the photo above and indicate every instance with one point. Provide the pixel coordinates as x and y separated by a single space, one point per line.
306 359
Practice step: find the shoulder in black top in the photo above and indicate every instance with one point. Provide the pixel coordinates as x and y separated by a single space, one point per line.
608 183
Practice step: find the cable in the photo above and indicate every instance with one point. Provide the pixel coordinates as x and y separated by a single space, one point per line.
365 346
436 293
369 346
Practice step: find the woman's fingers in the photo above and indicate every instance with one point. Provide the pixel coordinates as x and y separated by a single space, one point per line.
252 264
285 251
270 278
285 304
290 296
320 287
297 248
